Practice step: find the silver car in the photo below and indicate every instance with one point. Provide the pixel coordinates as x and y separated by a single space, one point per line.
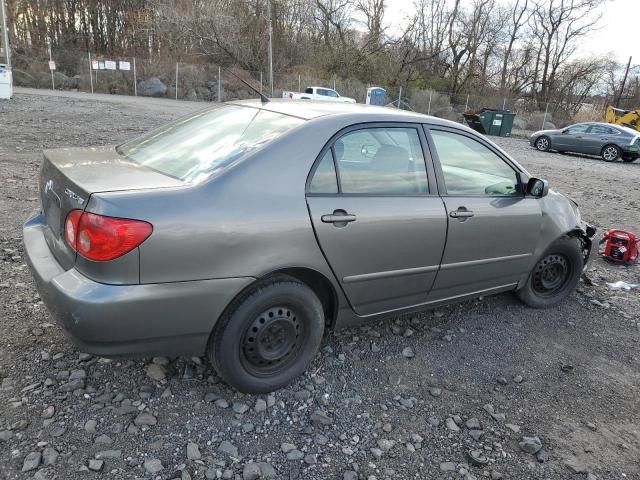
248 230
610 142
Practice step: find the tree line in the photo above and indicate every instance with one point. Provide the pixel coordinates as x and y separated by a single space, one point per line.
526 49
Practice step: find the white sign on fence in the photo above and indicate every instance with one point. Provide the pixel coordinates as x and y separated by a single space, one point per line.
125 66
52 65
109 65
100 65
94 65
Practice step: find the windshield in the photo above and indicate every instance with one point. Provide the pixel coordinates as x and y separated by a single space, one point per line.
194 147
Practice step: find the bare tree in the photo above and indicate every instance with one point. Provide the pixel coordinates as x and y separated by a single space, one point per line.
557 26
519 14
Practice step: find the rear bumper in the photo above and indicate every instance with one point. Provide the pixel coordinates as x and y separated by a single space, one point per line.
112 320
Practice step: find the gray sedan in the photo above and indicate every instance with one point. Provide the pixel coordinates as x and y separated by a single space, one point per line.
248 230
610 142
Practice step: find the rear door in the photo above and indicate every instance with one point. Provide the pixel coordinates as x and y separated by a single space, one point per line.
597 137
377 216
493 228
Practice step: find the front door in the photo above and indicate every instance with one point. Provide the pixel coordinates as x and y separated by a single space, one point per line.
572 139
493 227
377 217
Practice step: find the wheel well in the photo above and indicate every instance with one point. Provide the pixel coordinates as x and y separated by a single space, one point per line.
584 239
543 136
320 285
610 145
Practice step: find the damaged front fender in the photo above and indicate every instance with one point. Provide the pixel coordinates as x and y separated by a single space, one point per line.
561 216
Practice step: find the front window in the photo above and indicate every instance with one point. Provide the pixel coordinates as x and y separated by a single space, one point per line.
470 168
194 147
577 129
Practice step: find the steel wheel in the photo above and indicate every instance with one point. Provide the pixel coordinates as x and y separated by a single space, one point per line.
551 275
555 275
272 340
610 153
268 336
543 144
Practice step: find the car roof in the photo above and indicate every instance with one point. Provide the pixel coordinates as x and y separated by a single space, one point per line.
309 109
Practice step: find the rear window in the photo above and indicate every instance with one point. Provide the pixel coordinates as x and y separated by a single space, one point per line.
194 147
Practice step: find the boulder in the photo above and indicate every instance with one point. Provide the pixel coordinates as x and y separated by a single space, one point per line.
152 87
519 123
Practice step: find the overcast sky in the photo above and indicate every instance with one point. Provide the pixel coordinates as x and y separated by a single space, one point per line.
616 36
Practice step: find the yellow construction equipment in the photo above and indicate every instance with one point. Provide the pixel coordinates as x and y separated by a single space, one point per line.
628 118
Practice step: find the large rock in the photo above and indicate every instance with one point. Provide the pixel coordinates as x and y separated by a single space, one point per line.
32 461
530 445
152 88
153 466
228 448
251 471
156 372
145 419
193 451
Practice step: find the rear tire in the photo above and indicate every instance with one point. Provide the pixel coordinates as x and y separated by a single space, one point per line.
543 143
555 275
610 153
268 337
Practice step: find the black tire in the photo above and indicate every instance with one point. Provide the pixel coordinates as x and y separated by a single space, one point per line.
268 337
555 275
543 143
610 153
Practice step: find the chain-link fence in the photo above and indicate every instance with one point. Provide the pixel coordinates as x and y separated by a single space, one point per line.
146 75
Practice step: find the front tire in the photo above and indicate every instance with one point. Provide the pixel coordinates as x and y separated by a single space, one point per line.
269 337
555 275
543 143
611 153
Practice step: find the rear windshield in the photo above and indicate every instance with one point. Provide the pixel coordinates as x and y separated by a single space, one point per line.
194 147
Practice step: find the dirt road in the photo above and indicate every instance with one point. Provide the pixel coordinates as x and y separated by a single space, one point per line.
485 373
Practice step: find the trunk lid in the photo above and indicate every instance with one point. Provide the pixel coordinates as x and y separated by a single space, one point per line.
68 177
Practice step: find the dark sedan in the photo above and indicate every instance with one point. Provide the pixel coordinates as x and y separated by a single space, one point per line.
610 142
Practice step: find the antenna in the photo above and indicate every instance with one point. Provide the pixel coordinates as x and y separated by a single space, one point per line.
263 98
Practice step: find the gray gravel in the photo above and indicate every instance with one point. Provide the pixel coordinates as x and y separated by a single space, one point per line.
451 393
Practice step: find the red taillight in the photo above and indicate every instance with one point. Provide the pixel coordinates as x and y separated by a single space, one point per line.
101 238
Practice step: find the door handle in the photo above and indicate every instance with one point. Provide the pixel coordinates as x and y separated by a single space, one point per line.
338 218
460 213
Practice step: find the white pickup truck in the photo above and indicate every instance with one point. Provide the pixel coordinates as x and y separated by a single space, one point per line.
318 93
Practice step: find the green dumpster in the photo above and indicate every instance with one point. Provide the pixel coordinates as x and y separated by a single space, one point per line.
491 122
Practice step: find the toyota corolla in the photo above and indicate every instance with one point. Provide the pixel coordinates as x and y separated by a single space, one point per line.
247 230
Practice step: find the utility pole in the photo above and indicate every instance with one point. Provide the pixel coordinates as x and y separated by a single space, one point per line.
624 80
5 33
270 46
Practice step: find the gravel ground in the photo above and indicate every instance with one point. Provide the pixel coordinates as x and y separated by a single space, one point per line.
443 394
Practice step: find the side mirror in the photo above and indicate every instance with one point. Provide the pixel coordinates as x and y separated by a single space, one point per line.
536 187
